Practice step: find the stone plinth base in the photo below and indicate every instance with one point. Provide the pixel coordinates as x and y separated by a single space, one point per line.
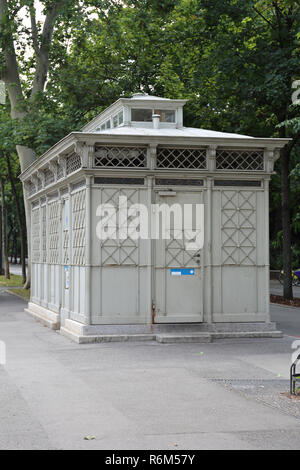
43 315
162 333
167 333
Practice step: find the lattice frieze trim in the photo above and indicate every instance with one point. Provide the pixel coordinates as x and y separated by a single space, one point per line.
73 163
121 157
245 160
193 158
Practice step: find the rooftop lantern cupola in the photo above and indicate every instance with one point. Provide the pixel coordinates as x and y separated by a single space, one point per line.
141 110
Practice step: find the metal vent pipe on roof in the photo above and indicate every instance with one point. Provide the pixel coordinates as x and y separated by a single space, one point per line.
155 120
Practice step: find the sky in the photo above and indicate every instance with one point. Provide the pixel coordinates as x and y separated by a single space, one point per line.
38 9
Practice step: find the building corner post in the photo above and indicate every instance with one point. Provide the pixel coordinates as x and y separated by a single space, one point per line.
88 251
208 245
267 248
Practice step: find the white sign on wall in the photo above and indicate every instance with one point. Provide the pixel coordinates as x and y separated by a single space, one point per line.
66 214
67 277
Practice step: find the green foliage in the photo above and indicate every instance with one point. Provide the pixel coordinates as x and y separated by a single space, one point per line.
235 61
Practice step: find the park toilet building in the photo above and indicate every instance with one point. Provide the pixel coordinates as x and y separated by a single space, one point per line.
97 289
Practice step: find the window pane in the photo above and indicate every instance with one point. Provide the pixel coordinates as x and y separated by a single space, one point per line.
141 115
107 124
166 115
120 117
115 121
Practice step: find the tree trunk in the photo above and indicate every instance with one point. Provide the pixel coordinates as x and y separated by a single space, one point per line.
4 235
26 157
10 242
22 226
15 250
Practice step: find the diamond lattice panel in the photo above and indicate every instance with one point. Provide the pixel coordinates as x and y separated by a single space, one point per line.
119 251
53 224
239 227
124 157
240 160
177 255
35 235
78 224
44 234
181 158
73 163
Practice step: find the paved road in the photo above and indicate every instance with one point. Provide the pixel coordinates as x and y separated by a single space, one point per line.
224 395
287 319
276 288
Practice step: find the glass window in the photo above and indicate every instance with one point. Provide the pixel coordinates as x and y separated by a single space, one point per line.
102 127
120 116
165 115
141 115
107 124
115 121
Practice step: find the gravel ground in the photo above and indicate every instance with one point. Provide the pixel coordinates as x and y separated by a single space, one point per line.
272 393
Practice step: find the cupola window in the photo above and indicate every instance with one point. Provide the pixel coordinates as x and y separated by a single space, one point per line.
141 115
165 115
145 115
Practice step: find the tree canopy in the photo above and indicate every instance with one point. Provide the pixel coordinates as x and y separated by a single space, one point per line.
235 61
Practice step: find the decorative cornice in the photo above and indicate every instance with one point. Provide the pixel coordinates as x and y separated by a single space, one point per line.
53 168
84 142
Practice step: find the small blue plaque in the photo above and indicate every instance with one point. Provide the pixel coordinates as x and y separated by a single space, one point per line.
182 272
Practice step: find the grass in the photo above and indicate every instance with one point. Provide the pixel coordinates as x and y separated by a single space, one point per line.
24 293
14 281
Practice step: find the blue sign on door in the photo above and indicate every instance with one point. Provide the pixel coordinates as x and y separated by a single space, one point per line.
182 272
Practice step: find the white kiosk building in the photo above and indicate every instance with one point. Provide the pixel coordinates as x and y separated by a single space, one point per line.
120 288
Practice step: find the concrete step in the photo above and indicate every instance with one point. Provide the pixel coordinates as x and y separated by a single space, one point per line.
167 338
86 339
246 334
184 338
44 316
